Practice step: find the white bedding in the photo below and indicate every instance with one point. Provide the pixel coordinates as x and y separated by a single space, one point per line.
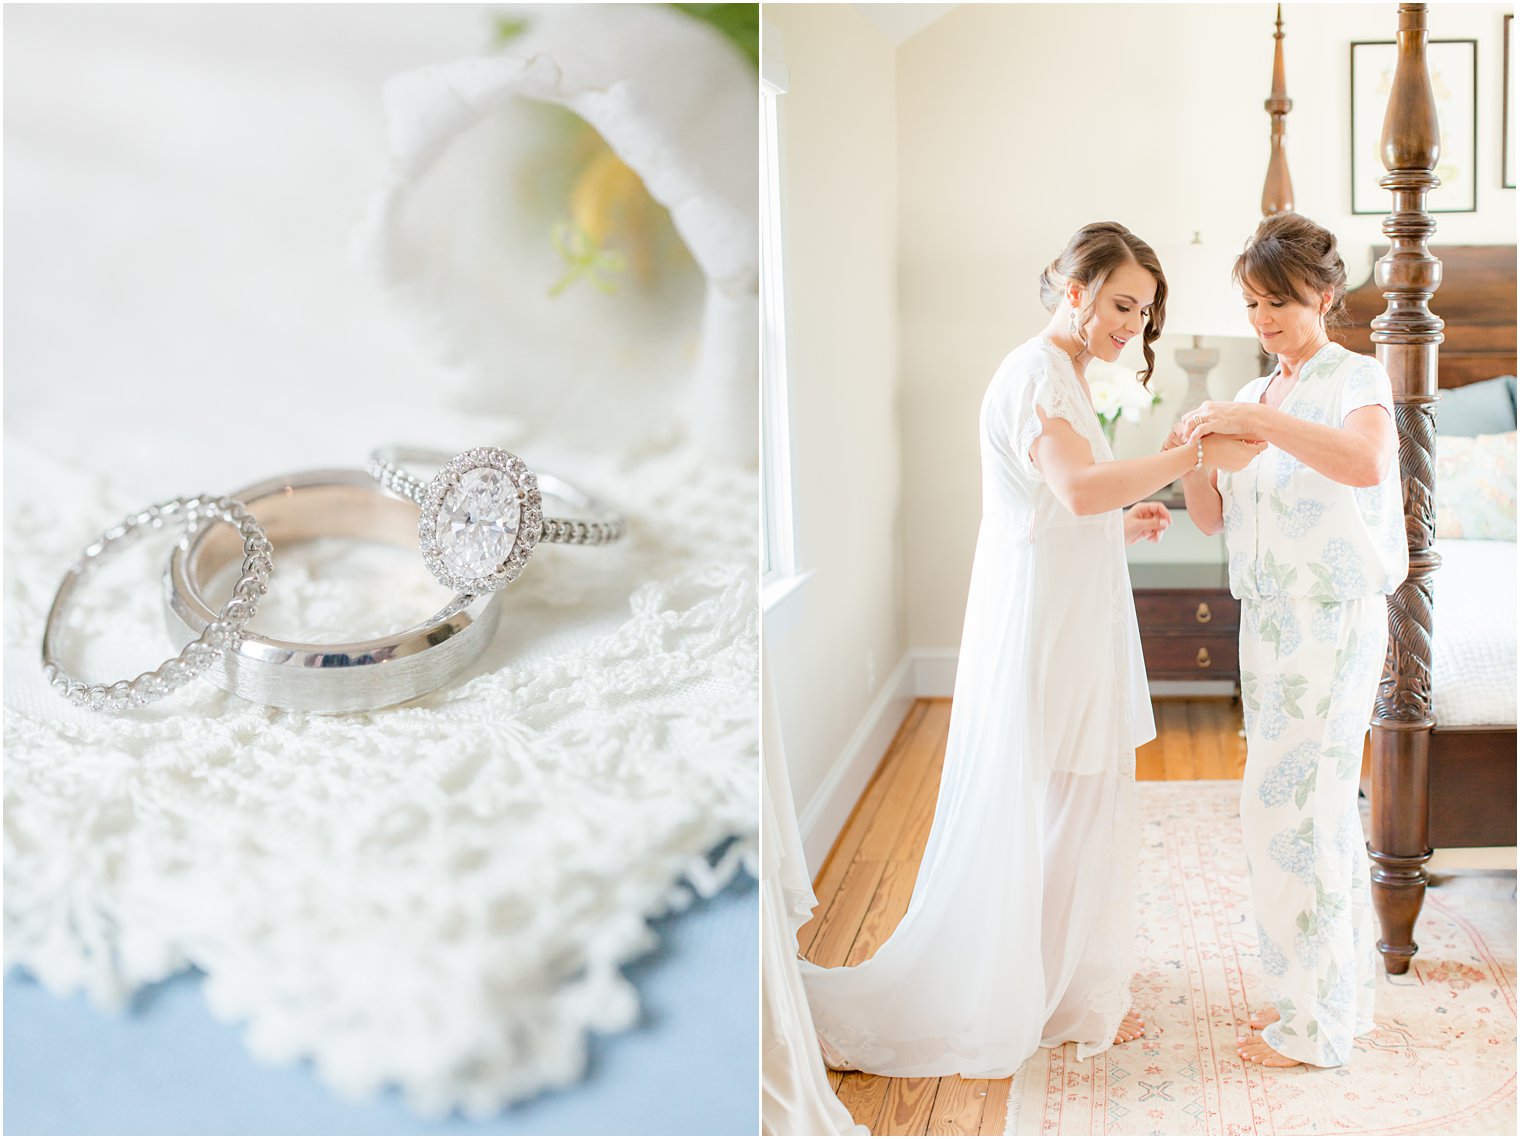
1474 647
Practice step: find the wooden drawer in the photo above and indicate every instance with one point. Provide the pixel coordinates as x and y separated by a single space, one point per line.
1189 623
1187 610
1212 656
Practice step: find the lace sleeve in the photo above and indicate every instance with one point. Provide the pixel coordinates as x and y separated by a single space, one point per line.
1041 387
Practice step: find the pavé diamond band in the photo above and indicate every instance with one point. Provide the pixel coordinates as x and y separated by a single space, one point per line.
347 677
215 636
482 513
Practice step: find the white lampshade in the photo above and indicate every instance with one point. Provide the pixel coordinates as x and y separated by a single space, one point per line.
1201 300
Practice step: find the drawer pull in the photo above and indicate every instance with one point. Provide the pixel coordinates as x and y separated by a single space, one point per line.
1204 615
1204 660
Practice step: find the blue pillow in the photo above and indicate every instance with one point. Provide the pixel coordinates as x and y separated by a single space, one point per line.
1484 408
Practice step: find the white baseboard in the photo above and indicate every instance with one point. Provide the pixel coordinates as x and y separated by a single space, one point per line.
829 809
934 671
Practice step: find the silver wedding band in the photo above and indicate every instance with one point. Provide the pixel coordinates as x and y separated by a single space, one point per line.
243 537
341 677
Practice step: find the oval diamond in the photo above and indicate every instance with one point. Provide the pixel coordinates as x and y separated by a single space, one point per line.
478 521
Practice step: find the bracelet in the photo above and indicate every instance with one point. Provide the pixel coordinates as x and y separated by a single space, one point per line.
1198 466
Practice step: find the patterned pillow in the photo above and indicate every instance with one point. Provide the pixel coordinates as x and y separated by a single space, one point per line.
1475 486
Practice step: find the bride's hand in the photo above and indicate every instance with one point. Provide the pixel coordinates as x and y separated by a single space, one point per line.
1146 521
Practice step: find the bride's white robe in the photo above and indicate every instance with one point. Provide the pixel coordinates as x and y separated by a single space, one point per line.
1020 930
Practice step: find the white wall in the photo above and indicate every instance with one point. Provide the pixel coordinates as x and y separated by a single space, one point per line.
1019 123
839 176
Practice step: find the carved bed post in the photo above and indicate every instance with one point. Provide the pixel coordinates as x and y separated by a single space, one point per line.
1277 192
1406 339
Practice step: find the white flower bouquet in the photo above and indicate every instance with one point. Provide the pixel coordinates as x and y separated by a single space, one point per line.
1117 394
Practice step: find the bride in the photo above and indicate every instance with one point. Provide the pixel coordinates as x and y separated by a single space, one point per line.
1020 930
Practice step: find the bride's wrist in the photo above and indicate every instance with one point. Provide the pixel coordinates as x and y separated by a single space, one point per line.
1192 458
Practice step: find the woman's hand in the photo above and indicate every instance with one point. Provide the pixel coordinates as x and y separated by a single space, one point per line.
1216 453
1216 417
1229 453
1146 522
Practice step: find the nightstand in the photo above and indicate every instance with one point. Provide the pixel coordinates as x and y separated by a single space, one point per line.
1189 623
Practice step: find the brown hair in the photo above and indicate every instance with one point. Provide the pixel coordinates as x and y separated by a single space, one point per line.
1290 256
1094 252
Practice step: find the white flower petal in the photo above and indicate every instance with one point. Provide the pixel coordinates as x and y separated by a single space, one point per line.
676 102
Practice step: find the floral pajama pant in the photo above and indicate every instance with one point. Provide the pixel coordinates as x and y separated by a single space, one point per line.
1309 677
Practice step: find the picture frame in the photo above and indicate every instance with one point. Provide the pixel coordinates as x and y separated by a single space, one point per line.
1453 66
1507 162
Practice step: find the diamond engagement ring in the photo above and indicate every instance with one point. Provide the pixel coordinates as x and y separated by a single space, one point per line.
482 514
341 677
217 635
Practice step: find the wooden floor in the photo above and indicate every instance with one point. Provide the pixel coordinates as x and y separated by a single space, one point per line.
866 881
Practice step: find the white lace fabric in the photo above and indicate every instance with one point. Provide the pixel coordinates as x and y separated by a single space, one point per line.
1057 392
438 895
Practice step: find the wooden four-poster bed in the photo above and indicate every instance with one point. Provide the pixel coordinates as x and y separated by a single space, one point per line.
1429 785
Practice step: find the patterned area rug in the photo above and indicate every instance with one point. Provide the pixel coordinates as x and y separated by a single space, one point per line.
1442 1061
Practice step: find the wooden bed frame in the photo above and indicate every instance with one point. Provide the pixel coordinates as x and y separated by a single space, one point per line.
1429 786
1433 787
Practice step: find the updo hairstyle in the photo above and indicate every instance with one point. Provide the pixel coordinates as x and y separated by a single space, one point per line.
1093 253
1290 256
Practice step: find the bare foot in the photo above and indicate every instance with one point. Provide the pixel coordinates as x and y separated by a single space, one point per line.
1132 1027
1264 1017
1255 1050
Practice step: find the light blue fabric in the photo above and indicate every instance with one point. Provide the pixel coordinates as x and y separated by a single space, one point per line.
1293 532
1306 712
1485 408
168 1068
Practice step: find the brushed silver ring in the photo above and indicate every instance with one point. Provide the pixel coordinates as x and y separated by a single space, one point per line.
340 677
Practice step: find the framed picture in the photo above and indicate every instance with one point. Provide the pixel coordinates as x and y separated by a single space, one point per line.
1453 66
1509 108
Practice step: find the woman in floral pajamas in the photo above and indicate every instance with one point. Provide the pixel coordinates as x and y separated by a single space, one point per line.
1315 533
